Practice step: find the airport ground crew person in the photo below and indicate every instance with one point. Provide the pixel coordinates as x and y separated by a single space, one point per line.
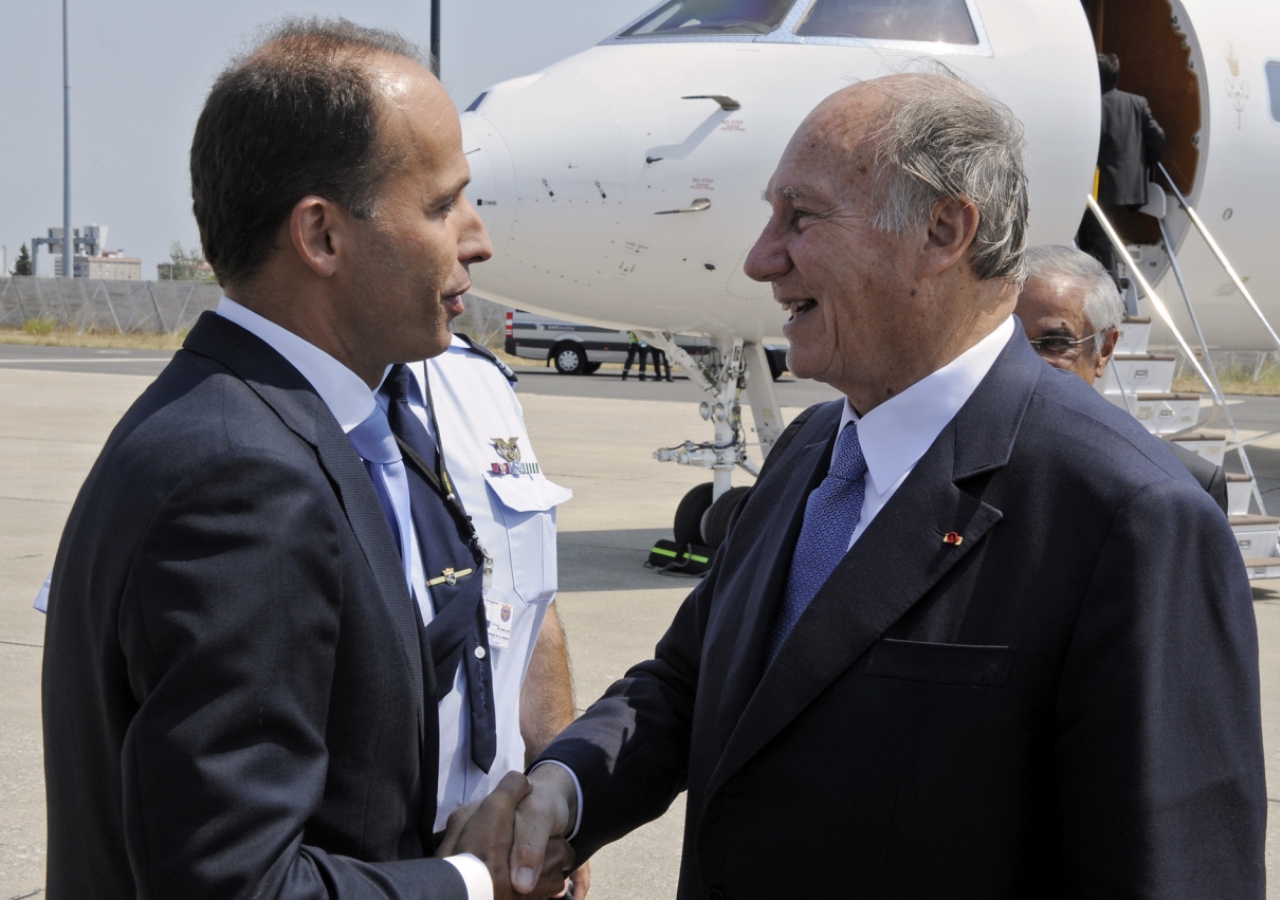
639 347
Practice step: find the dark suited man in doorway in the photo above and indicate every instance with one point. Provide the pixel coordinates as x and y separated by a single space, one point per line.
238 695
1130 144
975 634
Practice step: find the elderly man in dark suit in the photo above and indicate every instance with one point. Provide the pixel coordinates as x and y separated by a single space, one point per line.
238 688
975 634
1071 313
1130 144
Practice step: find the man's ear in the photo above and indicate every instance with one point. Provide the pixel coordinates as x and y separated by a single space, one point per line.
952 227
320 232
1108 348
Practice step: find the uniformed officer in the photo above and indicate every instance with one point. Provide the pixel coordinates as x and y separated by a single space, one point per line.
464 398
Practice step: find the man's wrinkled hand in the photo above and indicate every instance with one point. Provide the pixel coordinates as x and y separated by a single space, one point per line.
543 819
485 829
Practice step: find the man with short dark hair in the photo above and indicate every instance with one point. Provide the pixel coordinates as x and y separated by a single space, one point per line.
239 691
975 633
1071 312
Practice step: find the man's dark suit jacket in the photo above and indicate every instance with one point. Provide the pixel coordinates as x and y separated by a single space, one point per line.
1061 703
233 678
1131 142
1210 477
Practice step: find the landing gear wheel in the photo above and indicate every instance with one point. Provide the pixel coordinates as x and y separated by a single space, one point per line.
591 368
569 360
688 524
776 366
716 523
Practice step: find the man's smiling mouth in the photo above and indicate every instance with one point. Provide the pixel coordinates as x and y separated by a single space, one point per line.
798 308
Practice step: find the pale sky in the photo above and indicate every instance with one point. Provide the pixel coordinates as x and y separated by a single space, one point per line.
139 73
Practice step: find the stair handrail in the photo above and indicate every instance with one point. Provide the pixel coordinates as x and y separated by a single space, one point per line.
1144 284
1215 387
1217 252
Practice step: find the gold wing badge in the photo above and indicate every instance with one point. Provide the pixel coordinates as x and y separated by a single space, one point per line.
509 450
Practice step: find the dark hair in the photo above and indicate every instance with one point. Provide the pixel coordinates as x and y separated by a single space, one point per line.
1108 70
297 115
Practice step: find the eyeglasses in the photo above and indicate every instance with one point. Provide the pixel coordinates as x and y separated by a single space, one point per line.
1058 347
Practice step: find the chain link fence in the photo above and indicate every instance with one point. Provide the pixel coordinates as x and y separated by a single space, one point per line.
163 307
1247 371
83 304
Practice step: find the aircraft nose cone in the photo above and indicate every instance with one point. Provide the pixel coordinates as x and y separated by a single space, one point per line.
492 188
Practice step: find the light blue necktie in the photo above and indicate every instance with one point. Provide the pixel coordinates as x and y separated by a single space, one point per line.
376 445
830 517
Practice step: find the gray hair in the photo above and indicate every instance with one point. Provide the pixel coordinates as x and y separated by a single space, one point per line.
1101 303
944 138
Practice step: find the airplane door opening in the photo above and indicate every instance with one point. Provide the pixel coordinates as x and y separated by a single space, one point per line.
1152 40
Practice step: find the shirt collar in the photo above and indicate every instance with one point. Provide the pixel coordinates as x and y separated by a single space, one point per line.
897 433
419 370
348 398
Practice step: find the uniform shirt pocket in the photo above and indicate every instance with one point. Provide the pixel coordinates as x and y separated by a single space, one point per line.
968 664
527 507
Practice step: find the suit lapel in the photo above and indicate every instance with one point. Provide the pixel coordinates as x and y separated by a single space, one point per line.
739 634
293 399
897 560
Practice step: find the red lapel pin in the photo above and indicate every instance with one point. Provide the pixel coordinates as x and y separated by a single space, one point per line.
952 538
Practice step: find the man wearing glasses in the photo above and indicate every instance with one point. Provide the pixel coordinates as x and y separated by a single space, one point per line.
1071 311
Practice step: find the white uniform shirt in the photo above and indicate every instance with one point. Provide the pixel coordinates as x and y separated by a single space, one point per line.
514 515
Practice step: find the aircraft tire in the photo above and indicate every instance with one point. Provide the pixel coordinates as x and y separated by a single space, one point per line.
719 518
570 359
694 505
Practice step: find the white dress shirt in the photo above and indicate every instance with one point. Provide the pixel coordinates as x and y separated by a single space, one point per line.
351 402
898 432
514 515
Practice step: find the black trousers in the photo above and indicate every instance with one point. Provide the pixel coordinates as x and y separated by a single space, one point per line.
632 350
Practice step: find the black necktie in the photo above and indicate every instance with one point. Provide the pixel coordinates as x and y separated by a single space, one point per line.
457 633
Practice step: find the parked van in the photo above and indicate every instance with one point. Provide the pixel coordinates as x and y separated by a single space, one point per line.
578 349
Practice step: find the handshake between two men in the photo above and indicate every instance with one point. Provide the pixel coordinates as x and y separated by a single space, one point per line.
520 832
974 634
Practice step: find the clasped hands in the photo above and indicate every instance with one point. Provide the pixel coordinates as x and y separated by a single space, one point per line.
519 832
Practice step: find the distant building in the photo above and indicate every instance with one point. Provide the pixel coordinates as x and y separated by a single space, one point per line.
111 265
193 270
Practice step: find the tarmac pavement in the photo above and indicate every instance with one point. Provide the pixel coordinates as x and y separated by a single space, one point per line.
593 434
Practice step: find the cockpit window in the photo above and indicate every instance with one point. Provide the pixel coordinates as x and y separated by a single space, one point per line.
703 17
935 21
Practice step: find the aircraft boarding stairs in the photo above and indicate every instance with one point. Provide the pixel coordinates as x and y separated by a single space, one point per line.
1142 383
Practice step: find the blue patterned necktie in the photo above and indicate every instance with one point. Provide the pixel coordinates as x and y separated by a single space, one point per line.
830 517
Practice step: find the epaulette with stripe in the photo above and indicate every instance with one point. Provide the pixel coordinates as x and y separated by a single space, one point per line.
481 350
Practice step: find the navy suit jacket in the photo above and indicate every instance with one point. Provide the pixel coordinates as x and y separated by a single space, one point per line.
233 677
1062 703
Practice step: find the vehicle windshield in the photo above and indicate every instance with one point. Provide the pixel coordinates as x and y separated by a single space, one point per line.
936 21
703 17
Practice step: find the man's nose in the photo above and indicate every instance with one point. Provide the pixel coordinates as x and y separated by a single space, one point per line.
768 259
474 246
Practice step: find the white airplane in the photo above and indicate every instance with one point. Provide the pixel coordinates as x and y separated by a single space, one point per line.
621 186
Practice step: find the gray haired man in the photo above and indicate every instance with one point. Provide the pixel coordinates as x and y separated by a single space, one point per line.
1071 311
918 667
